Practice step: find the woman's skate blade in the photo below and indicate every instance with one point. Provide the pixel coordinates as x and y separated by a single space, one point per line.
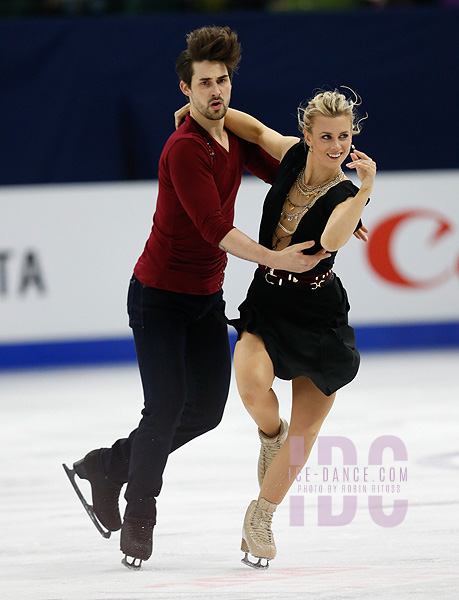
258 565
248 562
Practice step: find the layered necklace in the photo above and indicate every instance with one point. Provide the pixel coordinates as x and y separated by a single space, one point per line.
312 194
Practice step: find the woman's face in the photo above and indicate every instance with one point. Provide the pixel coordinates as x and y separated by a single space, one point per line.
330 140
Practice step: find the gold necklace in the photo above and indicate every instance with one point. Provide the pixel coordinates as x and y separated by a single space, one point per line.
303 209
307 190
297 218
293 205
321 190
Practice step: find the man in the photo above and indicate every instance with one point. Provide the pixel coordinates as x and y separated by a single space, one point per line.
182 347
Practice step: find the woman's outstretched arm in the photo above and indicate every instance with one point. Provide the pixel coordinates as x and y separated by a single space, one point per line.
252 130
248 128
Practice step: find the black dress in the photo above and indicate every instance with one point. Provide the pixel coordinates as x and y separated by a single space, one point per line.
305 330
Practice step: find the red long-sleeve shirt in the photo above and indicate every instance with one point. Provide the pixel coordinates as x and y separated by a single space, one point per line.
198 183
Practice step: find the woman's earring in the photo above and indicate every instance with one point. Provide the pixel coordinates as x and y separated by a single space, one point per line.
310 149
352 147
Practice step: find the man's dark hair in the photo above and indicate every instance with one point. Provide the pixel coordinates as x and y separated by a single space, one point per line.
216 44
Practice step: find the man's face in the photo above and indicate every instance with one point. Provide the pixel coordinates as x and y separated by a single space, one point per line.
210 90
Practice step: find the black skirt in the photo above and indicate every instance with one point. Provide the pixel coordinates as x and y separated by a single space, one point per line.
305 330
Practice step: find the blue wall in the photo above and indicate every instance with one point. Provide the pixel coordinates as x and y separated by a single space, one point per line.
414 337
92 99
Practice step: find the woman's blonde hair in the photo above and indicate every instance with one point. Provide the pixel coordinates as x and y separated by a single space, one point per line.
330 104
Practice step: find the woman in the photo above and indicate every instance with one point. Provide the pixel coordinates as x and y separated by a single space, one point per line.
295 326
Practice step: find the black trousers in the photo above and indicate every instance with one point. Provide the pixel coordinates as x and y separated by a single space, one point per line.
184 359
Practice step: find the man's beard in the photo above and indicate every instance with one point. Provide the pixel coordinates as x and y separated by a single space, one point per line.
214 115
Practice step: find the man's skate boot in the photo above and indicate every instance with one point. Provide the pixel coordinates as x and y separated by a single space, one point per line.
136 541
257 537
270 446
104 511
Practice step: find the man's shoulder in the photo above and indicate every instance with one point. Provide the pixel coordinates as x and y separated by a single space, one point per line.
186 134
184 140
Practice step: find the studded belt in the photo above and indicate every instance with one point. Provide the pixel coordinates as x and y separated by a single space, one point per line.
278 277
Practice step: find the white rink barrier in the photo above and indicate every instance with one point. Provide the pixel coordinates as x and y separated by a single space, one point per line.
67 253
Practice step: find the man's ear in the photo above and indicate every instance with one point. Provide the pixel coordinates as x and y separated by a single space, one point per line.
184 88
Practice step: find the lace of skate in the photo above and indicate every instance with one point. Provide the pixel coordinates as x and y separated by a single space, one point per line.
268 452
260 524
269 448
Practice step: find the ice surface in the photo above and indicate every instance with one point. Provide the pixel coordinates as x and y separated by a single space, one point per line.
51 551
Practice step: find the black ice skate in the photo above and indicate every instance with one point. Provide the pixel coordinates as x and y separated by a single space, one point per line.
104 512
136 542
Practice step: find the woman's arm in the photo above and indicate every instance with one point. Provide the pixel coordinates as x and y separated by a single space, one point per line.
250 129
345 217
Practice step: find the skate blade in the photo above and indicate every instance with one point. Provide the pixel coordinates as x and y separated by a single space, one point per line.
88 507
134 564
258 565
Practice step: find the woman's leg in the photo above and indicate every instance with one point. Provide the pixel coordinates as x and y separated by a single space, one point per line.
309 409
254 377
